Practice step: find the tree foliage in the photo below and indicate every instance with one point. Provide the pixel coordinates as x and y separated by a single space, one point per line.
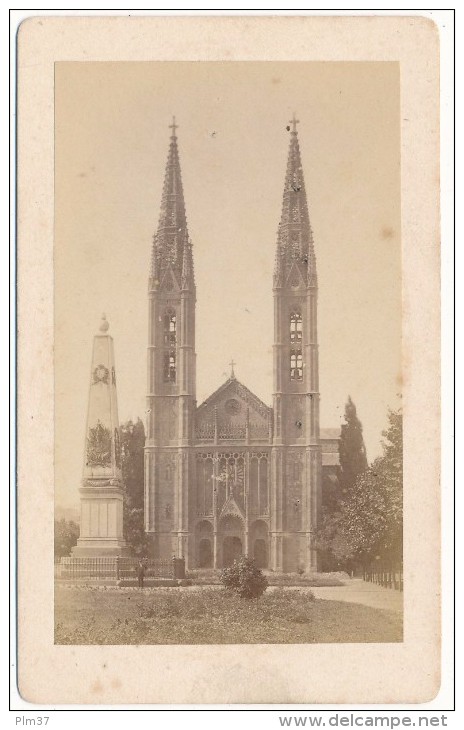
244 578
132 463
334 547
66 534
369 520
353 459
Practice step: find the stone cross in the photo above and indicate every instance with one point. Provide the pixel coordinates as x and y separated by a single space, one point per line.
294 122
173 126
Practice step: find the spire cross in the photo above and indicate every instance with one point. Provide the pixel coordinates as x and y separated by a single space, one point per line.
294 122
232 374
173 126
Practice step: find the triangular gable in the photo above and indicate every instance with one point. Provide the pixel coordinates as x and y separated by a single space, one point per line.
169 281
233 387
295 277
231 509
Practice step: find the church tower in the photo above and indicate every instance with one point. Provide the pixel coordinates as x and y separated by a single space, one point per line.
296 452
169 458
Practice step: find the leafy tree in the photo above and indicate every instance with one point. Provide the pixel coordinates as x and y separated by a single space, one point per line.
353 459
132 463
244 578
66 534
335 550
369 521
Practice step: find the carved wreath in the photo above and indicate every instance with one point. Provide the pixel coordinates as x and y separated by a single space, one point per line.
99 446
101 374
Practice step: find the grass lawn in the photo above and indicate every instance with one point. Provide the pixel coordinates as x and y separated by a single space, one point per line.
86 615
213 577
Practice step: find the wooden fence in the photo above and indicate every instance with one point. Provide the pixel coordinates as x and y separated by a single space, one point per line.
117 568
387 576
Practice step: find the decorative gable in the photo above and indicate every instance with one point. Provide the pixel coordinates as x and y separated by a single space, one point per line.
231 509
295 278
169 281
233 413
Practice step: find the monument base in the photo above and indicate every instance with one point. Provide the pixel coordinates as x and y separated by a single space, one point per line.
99 548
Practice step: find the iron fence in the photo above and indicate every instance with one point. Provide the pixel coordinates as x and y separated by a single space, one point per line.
117 568
385 575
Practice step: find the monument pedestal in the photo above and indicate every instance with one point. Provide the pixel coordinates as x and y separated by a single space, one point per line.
101 530
99 548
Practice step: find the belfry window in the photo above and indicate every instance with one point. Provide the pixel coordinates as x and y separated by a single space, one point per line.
296 365
170 366
170 325
296 327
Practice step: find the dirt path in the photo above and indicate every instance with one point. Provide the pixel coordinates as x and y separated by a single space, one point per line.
358 591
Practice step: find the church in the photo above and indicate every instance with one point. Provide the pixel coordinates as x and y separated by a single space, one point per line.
232 475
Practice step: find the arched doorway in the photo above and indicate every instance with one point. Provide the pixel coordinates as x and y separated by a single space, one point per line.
231 539
204 544
260 552
259 543
205 553
231 550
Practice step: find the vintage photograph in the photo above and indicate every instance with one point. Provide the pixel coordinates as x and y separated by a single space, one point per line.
228 375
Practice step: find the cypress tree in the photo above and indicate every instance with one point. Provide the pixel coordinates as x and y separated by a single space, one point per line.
353 459
132 447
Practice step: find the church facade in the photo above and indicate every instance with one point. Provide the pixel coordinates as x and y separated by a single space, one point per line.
234 476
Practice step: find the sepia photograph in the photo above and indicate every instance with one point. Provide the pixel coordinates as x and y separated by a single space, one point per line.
227 258
228 361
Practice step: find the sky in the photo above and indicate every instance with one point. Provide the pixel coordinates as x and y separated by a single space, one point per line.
111 144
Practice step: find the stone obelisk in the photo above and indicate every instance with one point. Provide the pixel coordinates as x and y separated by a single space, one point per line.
101 492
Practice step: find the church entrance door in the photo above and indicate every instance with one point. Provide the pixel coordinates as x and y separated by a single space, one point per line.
260 553
231 550
206 553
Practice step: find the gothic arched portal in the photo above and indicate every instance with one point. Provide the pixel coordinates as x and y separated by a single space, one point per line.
260 553
231 539
205 553
259 543
232 549
204 544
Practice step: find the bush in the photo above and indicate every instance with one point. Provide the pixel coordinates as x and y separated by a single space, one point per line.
244 578
66 534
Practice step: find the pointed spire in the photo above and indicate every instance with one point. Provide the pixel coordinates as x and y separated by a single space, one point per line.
168 241
295 238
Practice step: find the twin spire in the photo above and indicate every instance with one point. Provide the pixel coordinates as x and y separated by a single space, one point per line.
172 248
295 245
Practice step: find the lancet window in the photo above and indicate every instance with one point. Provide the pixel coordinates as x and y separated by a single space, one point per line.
205 485
170 366
170 328
259 484
296 327
296 365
